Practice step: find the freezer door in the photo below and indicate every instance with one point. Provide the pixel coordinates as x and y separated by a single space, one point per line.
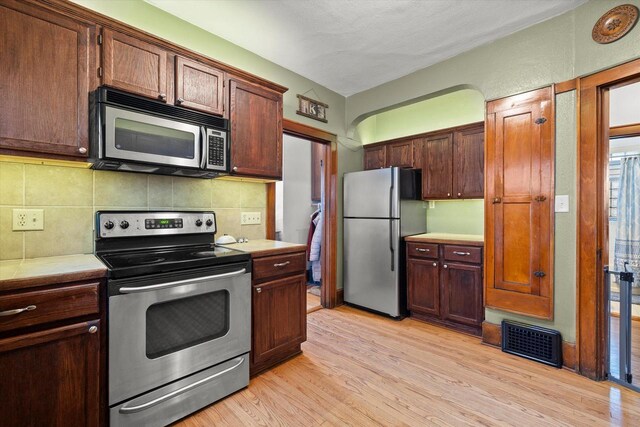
371 256
371 194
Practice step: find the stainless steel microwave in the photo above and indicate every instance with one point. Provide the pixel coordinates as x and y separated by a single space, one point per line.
134 134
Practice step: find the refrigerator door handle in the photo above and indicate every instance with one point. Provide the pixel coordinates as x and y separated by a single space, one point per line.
391 248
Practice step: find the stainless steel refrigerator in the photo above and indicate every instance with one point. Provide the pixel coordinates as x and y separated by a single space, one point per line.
380 207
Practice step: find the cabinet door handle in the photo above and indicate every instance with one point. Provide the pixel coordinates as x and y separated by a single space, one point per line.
435 264
162 96
93 329
282 264
422 250
82 150
179 101
540 198
461 253
17 310
235 169
448 194
445 266
497 200
459 194
258 290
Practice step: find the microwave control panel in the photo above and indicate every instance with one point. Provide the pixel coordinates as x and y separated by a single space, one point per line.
216 150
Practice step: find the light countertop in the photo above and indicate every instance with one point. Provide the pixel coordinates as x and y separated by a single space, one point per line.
463 239
263 247
25 273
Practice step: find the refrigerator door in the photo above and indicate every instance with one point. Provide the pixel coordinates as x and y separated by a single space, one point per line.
371 194
371 264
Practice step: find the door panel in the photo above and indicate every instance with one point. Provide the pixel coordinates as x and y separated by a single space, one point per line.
424 286
375 157
437 175
370 267
462 289
199 86
468 160
400 155
368 194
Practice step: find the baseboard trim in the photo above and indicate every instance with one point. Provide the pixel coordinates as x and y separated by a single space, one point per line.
340 297
492 335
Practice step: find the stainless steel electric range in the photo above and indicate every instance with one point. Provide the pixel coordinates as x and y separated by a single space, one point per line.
179 315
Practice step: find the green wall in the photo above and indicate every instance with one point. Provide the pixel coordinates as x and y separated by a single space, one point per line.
552 51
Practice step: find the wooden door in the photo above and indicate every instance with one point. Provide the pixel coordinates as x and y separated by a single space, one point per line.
134 65
51 378
468 160
279 316
256 130
518 212
375 157
462 293
47 68
437 175
317 155
424 286
400 154
199 86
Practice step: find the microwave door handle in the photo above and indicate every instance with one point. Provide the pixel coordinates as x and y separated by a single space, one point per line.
203 148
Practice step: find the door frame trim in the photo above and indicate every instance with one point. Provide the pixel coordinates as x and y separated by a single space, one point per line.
592 230
329 294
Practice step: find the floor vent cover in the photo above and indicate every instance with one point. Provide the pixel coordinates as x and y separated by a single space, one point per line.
532 342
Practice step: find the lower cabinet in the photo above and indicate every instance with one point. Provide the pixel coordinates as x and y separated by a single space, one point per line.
279 310
446 291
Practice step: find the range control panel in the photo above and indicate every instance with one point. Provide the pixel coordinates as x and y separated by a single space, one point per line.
216 150
129 224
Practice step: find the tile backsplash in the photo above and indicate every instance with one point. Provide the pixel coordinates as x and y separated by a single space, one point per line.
70 196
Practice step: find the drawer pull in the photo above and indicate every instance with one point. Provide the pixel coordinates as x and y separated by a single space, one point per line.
461 253
282 264
17 310
422 250
93 329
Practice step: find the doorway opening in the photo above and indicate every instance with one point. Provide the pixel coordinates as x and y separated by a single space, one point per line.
622 192
299 207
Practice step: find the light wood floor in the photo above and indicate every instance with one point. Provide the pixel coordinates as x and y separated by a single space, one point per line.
358 369
313 302
615 346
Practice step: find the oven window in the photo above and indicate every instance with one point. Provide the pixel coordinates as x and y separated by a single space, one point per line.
146 138
178 324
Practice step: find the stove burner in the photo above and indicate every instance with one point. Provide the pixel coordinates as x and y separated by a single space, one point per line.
144 259
204 254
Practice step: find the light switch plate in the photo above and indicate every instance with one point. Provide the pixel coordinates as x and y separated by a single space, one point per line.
562 203
249 218
28 219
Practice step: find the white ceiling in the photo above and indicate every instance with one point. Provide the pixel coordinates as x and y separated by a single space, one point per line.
353 45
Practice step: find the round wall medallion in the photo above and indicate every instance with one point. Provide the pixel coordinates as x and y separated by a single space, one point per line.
614 24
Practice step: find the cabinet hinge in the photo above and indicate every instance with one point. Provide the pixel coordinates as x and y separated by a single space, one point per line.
540 120
99 38
539 273
99 71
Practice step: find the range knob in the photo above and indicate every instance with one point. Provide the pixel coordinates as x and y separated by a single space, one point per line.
198 222
124 224
209 222
109 225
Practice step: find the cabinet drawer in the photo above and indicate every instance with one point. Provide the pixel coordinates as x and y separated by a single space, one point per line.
422 250
279 265
38 307
463 253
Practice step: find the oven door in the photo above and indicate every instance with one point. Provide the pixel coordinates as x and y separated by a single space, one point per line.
138 137
172 325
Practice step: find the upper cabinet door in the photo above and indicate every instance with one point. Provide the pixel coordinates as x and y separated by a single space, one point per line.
437 173
256 130
47 68
375 157
134 66
468 158
518 214
400 154
199 86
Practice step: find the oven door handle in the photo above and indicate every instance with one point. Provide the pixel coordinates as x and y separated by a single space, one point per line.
159 400
127 290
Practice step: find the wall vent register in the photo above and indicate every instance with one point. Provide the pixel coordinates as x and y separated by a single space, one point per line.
532 342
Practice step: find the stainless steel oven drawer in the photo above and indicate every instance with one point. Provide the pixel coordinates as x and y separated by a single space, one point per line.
181 398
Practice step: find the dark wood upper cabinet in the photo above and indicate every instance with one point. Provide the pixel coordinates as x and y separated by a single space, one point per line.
54 377
375 157
199 86
468 160
134 65
462 293
518 206
400 154
419 161
47 68
317 154
437 174
424 292
256 130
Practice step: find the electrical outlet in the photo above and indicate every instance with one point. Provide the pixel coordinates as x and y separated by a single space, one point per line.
247 218
28 219
432 204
